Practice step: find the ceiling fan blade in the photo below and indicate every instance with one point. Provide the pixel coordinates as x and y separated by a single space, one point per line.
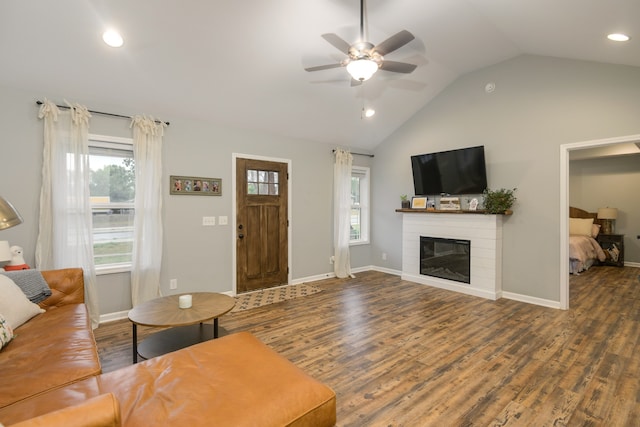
324 67
397 67
337 42
394 42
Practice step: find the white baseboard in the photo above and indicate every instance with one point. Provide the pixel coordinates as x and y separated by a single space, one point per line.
531 300
385 270
632 264
112 317
313 278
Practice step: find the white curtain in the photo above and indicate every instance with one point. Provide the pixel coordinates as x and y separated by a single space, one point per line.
147 239
65 231
342 213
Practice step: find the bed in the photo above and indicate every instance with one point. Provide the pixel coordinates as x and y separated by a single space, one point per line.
584 250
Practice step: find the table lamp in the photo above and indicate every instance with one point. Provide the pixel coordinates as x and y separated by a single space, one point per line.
9 216
608 215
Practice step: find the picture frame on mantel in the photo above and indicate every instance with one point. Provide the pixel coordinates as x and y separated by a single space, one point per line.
194 186
418 202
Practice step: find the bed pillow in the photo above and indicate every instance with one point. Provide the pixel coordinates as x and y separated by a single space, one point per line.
14 304
580 226
6 332
31 282
595 230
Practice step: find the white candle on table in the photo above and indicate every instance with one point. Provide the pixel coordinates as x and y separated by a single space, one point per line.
184 301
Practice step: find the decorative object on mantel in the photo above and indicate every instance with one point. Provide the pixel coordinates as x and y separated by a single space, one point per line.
431 204
450 203
473 204
608 216
419 203
195 186
499 201
404 202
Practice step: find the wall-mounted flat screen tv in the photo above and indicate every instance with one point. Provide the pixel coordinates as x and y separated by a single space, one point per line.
455 172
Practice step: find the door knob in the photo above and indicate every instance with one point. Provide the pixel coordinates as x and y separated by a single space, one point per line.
240 236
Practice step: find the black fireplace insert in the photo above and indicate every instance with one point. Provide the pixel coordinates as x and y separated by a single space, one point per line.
446 258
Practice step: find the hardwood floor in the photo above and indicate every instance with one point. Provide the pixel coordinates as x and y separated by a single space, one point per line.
404 354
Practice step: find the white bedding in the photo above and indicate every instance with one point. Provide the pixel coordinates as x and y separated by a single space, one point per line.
583 252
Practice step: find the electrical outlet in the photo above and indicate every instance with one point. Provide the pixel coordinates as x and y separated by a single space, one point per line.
332 259
173 284
384 256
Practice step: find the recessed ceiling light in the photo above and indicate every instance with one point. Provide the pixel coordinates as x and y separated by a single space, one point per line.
112 38
369 112
618 37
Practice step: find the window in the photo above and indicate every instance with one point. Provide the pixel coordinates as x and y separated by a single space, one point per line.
261 182
112 191
359 205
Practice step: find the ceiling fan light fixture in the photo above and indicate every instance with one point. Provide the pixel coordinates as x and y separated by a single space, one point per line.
362 69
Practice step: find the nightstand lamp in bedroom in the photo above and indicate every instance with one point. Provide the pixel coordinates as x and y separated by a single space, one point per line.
608 215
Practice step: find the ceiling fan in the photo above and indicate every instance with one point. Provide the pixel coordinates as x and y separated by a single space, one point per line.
363 58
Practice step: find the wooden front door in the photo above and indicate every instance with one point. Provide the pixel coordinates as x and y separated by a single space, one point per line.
261 224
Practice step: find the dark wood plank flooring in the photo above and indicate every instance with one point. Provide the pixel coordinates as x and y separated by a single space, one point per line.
404 354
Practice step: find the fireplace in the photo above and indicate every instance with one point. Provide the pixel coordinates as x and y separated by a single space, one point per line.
484 231
446 258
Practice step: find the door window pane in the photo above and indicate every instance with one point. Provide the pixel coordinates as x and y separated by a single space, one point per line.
261 182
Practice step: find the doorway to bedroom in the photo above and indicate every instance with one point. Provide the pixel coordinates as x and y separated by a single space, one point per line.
596 149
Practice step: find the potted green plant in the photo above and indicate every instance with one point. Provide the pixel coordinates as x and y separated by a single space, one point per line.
404 201
499 201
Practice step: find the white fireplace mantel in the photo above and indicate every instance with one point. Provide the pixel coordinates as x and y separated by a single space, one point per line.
484 231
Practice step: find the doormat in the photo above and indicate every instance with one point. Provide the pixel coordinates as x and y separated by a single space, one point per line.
273 295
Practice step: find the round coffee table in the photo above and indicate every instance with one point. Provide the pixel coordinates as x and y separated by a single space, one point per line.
185 324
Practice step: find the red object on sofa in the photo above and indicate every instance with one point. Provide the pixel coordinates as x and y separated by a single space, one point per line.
16 267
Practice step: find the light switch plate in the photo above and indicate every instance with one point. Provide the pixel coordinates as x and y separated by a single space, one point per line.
222 220
208 221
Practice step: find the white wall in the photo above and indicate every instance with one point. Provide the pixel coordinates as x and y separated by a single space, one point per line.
539 103
610 181
199 257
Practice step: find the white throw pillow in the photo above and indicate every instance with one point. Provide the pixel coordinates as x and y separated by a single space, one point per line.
580 226
14 304
6 333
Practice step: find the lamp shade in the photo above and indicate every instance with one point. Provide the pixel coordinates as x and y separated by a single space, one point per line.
9 216
5 251
607 213
362 69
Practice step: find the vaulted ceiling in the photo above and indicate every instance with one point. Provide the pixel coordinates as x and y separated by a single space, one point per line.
242 63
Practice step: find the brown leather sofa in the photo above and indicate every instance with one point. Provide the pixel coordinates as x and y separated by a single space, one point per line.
54 348
232 381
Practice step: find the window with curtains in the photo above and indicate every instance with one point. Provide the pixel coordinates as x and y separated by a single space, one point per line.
112 194
359 205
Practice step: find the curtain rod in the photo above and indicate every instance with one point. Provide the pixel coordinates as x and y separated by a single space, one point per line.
357 154
103 113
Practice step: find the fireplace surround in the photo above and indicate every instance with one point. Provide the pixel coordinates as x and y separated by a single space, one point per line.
484 233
